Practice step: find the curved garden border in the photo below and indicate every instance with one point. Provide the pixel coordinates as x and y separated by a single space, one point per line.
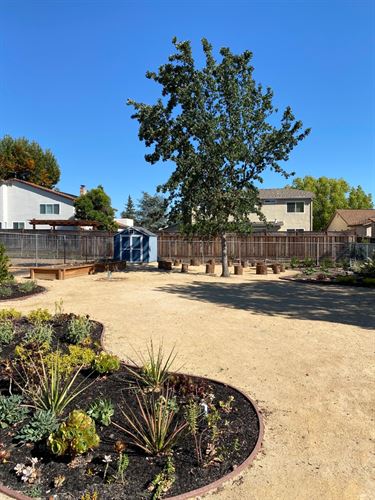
322 282
208 487
26 296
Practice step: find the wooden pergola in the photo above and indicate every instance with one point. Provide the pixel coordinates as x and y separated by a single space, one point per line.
64 222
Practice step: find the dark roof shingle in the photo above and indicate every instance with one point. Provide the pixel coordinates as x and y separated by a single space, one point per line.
285 194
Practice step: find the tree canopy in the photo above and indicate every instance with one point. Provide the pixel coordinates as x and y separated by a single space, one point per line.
152 211
129 210
330 195
25 160
96 205
219 128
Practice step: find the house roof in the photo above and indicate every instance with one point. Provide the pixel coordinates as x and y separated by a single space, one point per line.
284 194
356 217
42 188
64 222
139 229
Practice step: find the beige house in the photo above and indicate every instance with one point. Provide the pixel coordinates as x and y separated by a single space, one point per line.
357 222
286 209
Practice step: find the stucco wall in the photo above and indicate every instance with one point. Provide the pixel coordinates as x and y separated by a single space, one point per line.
292 220
337 224
20 203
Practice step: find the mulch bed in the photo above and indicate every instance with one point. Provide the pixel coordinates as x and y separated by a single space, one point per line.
239 432
17 293
315 281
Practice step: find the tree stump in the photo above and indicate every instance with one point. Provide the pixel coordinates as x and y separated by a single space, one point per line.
161 264
238 269
177 262
276 268
244 264
184 268
167 265
211 261
261 268
195 262
210 268
282 268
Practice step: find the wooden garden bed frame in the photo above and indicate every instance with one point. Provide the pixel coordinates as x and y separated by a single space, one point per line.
63 272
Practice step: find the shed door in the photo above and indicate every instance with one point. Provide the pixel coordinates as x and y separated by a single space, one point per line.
125 248
136 248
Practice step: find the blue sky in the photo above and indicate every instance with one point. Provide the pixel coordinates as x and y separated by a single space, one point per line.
68 66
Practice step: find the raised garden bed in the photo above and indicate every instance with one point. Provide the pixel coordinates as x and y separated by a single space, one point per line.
227 435
61 272
14 290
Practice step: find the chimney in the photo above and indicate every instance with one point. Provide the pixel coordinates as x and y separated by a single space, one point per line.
82 190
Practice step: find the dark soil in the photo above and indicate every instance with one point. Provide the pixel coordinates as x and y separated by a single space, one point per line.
15 292
239 431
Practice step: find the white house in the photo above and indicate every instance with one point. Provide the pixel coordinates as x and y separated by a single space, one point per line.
21 201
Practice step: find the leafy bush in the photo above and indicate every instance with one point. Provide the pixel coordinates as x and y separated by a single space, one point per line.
153 370
79 327
4 265
78 356
106 363
75 436
40 334
11 410
38 316
5 291
42 424
369 281
158 428
10 313
308 262
27 286
346 280
308 271
368 269
294 262
6 331
327 263
101 411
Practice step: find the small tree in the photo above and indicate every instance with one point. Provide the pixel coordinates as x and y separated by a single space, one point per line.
96 205
4 265
152 211
219 128
25 160
129 212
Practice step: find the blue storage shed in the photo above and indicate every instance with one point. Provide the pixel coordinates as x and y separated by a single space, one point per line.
136 244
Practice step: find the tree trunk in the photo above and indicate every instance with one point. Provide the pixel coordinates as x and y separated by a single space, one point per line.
224 257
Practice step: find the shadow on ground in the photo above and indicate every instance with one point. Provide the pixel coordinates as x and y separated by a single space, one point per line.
346 305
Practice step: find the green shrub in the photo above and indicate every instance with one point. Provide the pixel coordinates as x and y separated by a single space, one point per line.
40 334
346 280
27 286
38 316
6 291
369 282
368 269
78 356
6 331
75 436
10 313
327 263
308 262
42 424
11 411
294 262
101 410
79 328
4 265
106 363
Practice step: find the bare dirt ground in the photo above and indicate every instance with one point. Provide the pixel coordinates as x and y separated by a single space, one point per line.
303 352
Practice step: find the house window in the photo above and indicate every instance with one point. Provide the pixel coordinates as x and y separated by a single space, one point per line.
295 206
49 208
268 202
18 225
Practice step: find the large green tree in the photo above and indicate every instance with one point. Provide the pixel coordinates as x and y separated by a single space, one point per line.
220 129
330 195
25 160
152 211
95 205
129 210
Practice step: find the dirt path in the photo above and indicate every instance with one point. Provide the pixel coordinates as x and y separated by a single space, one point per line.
304 352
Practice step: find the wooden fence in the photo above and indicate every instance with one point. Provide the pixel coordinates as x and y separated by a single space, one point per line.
275 246
29 247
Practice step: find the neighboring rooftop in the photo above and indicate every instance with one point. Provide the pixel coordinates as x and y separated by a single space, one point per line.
37 186
356 217
284 194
